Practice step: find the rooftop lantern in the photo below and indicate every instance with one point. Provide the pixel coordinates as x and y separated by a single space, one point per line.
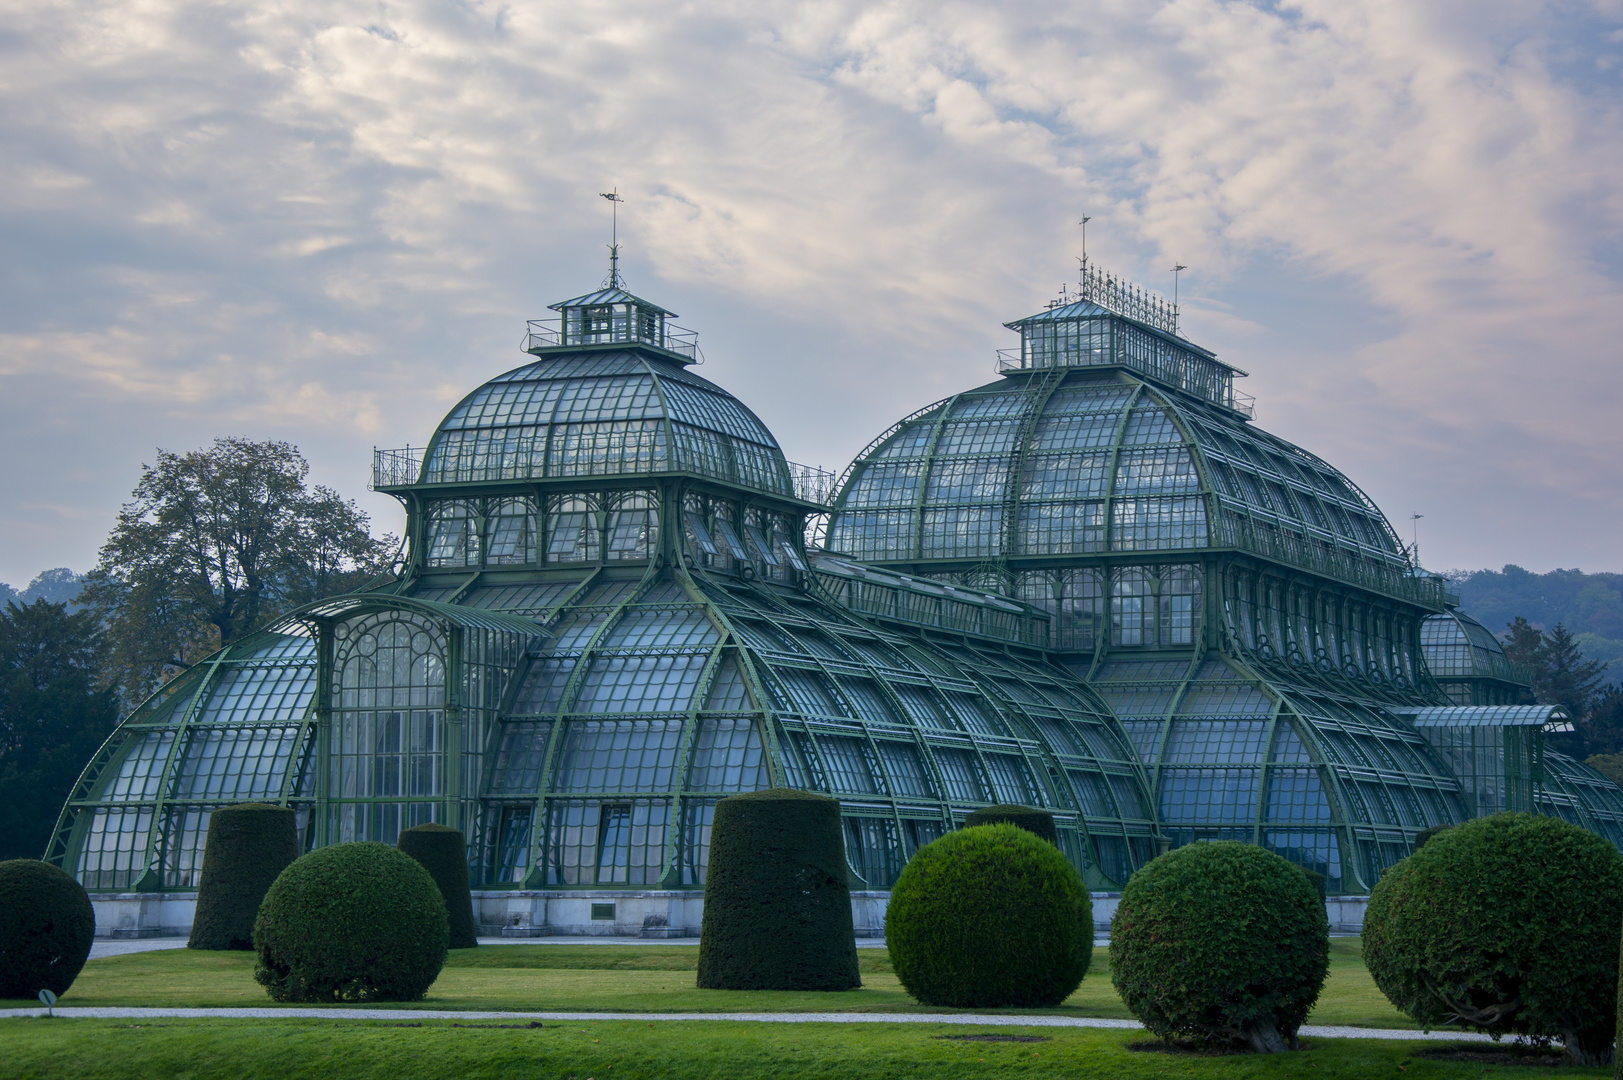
1109 322
612 316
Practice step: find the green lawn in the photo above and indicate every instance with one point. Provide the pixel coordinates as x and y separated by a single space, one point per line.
629 978
629 1050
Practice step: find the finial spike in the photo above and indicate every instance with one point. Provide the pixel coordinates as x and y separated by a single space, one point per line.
615 281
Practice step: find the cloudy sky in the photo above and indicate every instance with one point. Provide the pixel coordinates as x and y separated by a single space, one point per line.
326 221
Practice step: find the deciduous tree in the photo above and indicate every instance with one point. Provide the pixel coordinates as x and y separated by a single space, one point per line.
215 543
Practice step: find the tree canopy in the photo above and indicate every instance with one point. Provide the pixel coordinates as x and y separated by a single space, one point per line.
1562 676
52 717
215 543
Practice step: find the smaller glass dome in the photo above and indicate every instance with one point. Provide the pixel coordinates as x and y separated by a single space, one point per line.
604 411
1470 663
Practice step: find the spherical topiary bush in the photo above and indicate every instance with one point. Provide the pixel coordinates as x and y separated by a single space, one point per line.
1039 823
1508 924
443 851
46 928
990 917
352 922
248 845
1223 942
777 909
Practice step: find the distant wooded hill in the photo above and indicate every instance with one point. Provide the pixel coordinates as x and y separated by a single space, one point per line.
59 586
1590 605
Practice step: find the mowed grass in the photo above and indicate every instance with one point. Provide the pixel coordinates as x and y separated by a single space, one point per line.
612 1049
631 978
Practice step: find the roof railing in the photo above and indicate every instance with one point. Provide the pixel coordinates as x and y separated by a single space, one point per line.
1355 568
549 334
1225 395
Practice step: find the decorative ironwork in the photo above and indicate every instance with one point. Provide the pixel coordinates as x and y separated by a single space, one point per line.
812 484
1125 298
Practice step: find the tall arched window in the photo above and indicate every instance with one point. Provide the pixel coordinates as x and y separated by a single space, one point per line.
387 750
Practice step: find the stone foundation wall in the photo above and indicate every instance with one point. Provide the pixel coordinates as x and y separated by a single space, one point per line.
649 914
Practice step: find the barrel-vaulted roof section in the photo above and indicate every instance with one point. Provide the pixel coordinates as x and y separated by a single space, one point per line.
604 413
1065 462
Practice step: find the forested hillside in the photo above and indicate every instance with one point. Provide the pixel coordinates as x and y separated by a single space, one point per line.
59 586
1589 605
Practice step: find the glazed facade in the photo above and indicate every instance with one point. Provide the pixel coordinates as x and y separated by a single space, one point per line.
1093 586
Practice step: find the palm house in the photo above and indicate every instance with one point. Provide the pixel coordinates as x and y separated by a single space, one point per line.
1093 586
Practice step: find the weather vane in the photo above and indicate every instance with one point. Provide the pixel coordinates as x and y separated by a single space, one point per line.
1084 224
613 195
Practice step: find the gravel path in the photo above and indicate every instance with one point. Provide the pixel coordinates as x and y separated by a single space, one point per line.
415 1015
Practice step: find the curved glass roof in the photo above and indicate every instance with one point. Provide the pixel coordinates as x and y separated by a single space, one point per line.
1068 461
649 699
1456 646
604 413
1327 781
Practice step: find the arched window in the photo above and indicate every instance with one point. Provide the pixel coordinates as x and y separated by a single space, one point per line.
453 534
510 528
387 750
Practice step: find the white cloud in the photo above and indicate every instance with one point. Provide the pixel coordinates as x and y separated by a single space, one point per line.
327 221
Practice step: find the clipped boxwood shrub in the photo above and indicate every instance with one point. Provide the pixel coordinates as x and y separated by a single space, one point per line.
46 928
990 917
1223 942
1508 924
351 922
443 851
1039 823
247 846
777 908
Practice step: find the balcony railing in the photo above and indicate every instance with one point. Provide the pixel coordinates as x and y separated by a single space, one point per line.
812 484
549 334
404 467
395 468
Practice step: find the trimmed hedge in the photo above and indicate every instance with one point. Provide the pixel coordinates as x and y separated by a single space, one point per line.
443 851
248 845
777 908
1039 823
46 928
351 922
1223 942
1508 924
990 917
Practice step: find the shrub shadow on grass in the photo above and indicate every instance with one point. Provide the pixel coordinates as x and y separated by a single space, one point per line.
1196 1047
1512 1054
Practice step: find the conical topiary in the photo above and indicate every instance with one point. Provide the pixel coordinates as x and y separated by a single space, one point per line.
248 845
777 908
443 851
1039 823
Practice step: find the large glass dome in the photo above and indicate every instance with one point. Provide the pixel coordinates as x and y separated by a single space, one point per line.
1064 462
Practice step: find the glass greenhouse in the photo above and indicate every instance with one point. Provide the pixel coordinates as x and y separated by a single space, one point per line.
1093 586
